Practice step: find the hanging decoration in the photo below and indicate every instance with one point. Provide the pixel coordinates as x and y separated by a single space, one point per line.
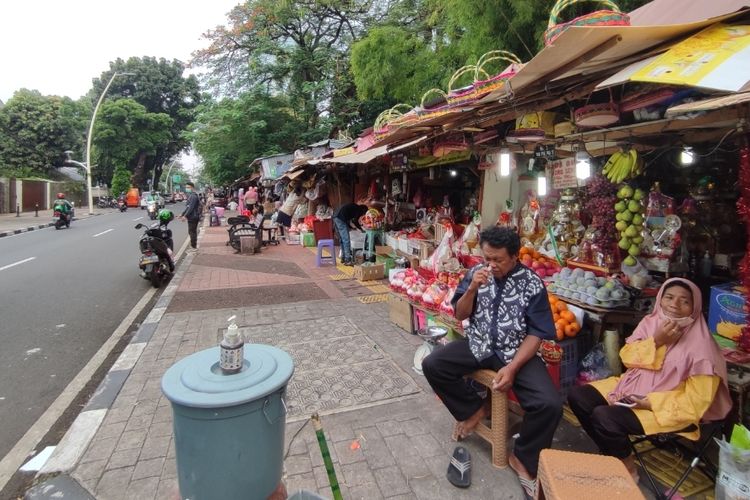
743 209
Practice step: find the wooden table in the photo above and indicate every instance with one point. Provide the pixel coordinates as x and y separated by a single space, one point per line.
601 318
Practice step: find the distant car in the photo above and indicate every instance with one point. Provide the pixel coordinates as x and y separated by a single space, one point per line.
144 199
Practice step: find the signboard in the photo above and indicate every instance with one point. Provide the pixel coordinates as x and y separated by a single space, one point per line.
563 173
176 178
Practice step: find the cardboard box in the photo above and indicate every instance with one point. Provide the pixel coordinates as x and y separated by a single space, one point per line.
400 313
727 312
369 272
383 250
308 239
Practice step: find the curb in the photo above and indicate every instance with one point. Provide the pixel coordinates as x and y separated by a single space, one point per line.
73 444
14 232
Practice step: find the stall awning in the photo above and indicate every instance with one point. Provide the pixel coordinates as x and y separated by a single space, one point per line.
717 58
363 157
293 175
407 144
709 104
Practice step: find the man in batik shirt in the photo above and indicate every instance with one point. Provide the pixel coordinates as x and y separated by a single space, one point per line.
509 313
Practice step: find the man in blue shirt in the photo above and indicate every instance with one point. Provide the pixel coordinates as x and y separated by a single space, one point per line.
509 316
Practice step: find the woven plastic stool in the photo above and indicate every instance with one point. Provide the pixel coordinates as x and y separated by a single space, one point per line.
320 259
497 433
567 474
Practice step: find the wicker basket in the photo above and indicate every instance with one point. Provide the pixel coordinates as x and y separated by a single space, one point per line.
610 16
597 115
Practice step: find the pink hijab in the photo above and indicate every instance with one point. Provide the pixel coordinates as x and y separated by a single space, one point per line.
695 353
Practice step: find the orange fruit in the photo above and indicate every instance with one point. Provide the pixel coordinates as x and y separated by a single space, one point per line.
561 323
560 306
559 333
568 316
571 330
555 317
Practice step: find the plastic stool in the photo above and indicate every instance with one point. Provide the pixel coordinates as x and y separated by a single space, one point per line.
320 258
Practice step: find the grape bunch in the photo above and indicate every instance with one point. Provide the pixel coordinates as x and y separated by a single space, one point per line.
600 205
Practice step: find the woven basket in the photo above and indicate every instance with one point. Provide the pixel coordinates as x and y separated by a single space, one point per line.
597 115
610 16
393 118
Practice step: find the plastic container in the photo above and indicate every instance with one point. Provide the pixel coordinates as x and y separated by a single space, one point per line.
229 429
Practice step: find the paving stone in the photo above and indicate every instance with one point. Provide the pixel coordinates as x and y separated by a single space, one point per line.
169 469
429 488
143 489
100 449
401 447
148 468
369 491
131 439
111 430
144 407
115 415
389 428
139 422
125 402
155 446
426 445
321 477
345 453
415 427
168 489
297 465
391 481
357 474
125 458
159 429
340 433
162 414
62 486
300 482
114 484
374 448
90 470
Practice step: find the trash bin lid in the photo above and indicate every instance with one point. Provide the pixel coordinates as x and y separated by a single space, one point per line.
197 380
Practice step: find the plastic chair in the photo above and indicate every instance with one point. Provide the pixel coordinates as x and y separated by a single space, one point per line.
497 433
320 259
697 452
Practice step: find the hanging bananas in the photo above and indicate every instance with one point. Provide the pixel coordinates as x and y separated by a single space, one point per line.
623 165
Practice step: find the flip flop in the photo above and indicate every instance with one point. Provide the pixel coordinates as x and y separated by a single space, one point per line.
459 470
530 486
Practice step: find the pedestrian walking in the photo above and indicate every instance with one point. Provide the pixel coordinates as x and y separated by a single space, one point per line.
192 214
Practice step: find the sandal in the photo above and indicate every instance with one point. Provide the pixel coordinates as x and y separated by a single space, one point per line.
459 470
530 486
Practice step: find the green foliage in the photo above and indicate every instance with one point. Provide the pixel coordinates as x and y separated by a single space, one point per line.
120 180
161 87
35 130
125 131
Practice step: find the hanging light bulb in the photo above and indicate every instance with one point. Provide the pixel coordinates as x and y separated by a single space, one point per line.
687 157
541 185
583 164
505 162
453 172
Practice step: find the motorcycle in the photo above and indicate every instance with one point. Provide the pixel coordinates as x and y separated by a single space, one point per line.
122 205
60 217
152 210
156 261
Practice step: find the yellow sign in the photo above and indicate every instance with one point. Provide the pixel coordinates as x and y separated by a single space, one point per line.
691 61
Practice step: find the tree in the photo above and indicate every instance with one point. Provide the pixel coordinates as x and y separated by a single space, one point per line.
127 134
35 130
120 180
231 133
161 87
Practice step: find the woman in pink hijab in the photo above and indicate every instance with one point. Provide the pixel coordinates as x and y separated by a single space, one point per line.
676 377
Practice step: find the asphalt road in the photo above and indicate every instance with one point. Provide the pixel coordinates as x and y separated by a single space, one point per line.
62 294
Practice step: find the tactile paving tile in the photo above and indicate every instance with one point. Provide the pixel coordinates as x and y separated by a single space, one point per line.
667 467
371 299
339 277
570 417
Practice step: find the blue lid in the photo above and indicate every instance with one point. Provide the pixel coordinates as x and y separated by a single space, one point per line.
197 380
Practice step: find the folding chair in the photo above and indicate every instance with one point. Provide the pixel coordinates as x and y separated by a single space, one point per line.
697 450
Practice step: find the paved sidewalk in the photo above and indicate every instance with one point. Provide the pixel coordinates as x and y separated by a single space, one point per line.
29 221
388 434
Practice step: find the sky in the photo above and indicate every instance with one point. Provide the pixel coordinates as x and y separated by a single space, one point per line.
58 46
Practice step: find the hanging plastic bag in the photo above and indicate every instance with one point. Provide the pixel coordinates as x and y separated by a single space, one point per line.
443 252
313 193
594 366
301 211
733 479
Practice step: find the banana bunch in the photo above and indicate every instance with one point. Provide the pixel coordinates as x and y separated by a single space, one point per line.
623 165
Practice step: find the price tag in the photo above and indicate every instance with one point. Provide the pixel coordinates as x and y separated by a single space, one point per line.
563 173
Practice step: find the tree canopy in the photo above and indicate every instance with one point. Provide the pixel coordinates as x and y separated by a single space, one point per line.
36 130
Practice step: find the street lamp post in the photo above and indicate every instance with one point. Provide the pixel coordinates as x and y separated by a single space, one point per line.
88 139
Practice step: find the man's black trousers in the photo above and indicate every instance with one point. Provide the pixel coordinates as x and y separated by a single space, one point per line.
536 393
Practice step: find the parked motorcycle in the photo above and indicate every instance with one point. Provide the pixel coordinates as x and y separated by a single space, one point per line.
156 261
152 209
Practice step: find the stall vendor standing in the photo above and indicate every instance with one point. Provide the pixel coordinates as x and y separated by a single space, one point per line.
344 216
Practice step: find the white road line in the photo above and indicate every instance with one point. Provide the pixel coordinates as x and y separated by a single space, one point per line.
103 232
139 218
17 263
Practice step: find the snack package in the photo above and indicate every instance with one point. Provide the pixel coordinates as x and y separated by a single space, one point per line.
443 253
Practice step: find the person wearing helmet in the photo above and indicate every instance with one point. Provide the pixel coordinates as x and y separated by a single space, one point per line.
63 206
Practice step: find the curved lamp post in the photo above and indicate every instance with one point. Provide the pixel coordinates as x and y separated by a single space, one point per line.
88 139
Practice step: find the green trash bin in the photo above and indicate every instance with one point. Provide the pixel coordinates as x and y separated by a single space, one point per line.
229 429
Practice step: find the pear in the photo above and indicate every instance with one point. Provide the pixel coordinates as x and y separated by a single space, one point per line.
637 240
625 192
631 231
638 195
634 206
630 261
621 206
638 219
627 216
624 243
634 250
618 216
621 225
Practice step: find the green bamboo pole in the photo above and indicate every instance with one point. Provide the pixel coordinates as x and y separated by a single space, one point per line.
326 457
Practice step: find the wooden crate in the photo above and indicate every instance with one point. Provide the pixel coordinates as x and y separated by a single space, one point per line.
400 312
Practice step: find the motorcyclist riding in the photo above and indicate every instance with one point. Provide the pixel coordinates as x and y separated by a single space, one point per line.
63 205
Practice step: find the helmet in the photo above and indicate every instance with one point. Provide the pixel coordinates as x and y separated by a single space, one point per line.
166 215
60 196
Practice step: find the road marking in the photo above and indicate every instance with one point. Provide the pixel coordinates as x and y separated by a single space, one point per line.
139 218
17 263
103 232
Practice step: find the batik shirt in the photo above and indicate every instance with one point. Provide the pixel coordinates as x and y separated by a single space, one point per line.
505 311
